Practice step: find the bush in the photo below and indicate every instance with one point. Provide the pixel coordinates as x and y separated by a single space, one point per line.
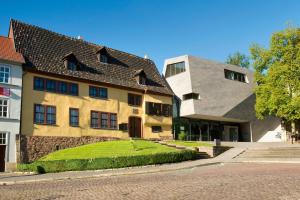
182 136
107 163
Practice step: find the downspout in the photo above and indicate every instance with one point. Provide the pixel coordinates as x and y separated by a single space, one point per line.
251 135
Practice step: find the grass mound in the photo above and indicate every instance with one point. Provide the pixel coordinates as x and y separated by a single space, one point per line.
105 155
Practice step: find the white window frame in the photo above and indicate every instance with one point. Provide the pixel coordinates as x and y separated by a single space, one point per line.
7 116
9 73
5 137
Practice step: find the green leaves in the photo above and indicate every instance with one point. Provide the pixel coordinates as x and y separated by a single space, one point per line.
238 59
277 72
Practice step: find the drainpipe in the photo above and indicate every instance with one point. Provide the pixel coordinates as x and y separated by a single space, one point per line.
251 136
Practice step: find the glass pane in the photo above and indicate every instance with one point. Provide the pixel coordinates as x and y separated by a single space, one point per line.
50 85
103 92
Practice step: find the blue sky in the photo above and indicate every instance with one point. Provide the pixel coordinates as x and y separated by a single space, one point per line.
160 28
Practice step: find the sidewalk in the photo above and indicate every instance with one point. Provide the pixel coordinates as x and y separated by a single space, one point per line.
18 178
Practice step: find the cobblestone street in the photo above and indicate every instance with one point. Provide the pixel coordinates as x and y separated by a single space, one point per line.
229 181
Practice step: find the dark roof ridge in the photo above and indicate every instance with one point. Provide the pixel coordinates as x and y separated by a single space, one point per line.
84 41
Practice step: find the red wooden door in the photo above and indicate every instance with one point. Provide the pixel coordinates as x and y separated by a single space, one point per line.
135 128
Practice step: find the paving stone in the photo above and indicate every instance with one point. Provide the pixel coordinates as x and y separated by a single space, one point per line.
229 181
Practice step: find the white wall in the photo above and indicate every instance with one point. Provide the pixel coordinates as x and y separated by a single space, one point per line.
12 123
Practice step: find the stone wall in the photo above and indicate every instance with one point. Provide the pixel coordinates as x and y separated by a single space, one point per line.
35 147
214 150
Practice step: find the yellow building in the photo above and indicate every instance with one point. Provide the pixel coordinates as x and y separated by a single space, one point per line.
75 92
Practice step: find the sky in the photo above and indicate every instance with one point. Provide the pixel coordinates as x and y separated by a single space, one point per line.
160 28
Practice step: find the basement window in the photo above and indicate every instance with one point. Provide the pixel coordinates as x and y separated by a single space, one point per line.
156 129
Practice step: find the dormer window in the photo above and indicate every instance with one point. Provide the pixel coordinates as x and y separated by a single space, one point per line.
102 55
103 58
140 77
71 66
70 62
142 80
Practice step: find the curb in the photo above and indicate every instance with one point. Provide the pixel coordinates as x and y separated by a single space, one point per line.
4 183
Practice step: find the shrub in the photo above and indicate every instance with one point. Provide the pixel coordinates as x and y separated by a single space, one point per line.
182 136
107 163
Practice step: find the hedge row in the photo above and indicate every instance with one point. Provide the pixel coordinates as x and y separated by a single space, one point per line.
107 163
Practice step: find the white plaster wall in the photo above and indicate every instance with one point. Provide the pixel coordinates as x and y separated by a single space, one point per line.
272 136
267 130
12 123
179 83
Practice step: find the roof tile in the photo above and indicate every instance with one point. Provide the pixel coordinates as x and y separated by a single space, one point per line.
44 51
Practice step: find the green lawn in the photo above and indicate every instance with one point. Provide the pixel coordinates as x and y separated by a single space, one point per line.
109 149
191 143
107 155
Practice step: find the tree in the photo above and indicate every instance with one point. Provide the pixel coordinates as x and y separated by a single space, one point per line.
238 59
277 72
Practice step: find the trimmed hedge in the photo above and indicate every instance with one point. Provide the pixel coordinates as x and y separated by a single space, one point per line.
108 163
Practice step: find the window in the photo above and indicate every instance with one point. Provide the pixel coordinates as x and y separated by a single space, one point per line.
236 76
134 99
113 121
156 129
50 85
190 96
103 58
73 89
39 83
71 65
142 80
3 138
95 119
50 115
123 127
175 68
44 114
3 108
4 74
74 117
103 120
158 109
62 87
166 110
98 92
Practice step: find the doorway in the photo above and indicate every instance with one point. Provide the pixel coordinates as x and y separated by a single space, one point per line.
135 128
231 133
2 157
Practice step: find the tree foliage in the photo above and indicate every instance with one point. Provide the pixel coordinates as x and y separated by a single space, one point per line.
277 72
238 59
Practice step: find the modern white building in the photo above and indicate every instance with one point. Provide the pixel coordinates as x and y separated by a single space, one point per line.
216 101
10 102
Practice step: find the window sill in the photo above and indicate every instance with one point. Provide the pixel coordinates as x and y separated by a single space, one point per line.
41 90
104 128
46 124
236 81
75 126
100 98
136 106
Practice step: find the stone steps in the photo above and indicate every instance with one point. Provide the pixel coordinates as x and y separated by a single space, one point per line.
282 152
202 155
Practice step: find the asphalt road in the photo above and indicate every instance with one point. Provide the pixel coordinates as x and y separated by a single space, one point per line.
229 181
